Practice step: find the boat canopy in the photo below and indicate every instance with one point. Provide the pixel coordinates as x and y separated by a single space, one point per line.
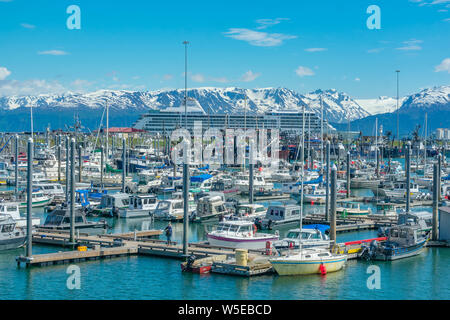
315 181
201 178
321 227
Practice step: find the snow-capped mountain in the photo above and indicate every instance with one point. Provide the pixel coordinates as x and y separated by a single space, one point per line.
380 105
431 99
338 107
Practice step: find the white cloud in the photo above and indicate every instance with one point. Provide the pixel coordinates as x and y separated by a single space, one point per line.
411 45
167 77
447 20
198 78
81 83
376 50
444 66
257 38
357 79
304 71
250 76
53 52
4 73
316 49
28 26
265 23
30 87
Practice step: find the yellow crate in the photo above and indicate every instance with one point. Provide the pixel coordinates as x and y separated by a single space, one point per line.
82 248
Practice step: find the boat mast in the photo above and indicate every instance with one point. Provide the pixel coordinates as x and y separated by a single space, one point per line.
425 145
321 136
107 134
303 171
376 141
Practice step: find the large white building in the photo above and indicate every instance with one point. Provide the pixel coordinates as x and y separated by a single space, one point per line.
443 134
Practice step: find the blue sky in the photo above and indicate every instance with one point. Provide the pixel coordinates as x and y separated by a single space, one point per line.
301 45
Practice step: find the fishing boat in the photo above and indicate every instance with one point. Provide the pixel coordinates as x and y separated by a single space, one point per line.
172 210
11 237
239 235
110 203
279 215
352 208
209 208
12 209
249 212
308 261
59 219
54 190
403 241
140 206
38 199
311 236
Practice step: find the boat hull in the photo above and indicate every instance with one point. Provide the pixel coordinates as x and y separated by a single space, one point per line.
401 253
250 243
14 243
292 267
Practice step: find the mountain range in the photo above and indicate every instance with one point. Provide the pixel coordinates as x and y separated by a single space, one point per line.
59 110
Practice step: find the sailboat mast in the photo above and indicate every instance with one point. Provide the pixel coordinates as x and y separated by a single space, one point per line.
376 140
321 135
107 132
303 178
425 145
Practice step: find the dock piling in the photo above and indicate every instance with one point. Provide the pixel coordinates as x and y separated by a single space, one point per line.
124 160
67 169
185 202
348 174
250 177
16 169
408 176
436 192
72 190
327 184
29 198
333 204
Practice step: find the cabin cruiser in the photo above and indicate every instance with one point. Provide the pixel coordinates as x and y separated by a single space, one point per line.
225 185
259 184
54 190
310 236
38 199
403 241
399 191
314 194
172 210
111 203
59 219
208 208
239 235
279 215
11 237
386 209
248 212
140 206
12 209
308 261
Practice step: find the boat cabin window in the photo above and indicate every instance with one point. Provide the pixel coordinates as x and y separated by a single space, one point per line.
295 212
325 254
79 219
53 219
8 228
316 236
164 205
260 209
292 235
178 205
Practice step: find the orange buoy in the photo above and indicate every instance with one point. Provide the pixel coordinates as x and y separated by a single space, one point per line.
323 269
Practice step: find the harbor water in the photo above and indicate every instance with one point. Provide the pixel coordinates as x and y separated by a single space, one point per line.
421 277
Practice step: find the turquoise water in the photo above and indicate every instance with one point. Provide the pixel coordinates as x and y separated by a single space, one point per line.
421 277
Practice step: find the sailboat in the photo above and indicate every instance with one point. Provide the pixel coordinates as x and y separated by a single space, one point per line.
308 261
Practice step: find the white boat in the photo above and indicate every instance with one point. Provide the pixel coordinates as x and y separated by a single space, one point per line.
140 206
248 212
309 237
259 183
12 209
308 261
38 199
11 237
209 207
239 235
172 210
51 189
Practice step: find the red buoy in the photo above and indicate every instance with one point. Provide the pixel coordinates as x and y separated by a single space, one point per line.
323 269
